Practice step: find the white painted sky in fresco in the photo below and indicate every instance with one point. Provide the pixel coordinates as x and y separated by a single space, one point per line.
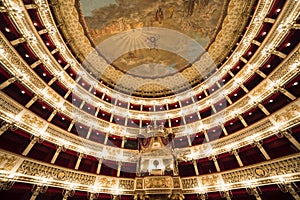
89 5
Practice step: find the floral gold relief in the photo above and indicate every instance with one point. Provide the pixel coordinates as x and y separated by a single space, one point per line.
32 120
107 182
158 182
7 162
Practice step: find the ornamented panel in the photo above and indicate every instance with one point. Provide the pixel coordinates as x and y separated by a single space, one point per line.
7 105
47 171
280 170
125 184
284 169
139 184
10 58
176 182
210 180
106 182
158 182
281 120
7 161
267 170
189 183
32 120
292 63
287 114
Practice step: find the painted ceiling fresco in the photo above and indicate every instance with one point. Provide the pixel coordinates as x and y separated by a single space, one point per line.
139 29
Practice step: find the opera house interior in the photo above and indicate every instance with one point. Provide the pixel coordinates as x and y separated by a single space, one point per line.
149 100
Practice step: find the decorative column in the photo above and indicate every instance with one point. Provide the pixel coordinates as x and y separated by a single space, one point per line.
115 197
288 187
263 109
228 99
214 158
189 140
213 108
280 54
4 127
67 94
52 115
287 93
176 171
196 167
176 196
244 60
52 80
7 82
257 43
218 84
71 125
54 51
205 92
269 20
93 195
31 101
82 104
262 74
138 167
203 196
89 133
17 41
123 141
244 88
105 139
261 148
35 64
91 87
36 190
169 122
7 183
292 191
242 120
141 108
226 194
67 193
99 166
205 135
198 115
296 26
119 168
58 150
80 156
224 129
34 139
289 136
97 111
255 192
236 155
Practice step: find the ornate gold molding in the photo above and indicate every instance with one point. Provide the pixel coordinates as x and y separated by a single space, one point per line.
284 72
285 169
281 120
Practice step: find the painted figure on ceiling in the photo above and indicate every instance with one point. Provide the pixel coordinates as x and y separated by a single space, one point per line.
159 15
190 6
171 11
